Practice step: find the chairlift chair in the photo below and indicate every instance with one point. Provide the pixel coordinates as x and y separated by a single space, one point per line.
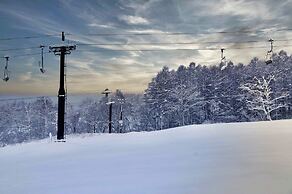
6 75
269 53
6 72
41 67
41 63
223 60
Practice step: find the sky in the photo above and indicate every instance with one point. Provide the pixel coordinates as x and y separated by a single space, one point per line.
92 68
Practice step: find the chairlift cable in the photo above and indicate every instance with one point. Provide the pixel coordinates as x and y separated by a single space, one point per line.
151 43
179 49
175 43
23 55
184 33
147 33
29 37
16 49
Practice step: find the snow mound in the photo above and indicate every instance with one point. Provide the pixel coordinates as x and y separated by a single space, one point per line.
254 158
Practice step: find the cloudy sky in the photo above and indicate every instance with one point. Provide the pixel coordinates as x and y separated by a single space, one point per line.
91 68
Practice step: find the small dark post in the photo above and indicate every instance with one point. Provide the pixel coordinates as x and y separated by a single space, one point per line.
110 117
121 115
121 120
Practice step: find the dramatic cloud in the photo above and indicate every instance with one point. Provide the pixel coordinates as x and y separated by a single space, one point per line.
96 64
134 19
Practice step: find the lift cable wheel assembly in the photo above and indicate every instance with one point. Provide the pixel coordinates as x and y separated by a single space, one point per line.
269 54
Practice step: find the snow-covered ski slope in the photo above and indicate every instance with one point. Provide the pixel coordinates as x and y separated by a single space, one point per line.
242 158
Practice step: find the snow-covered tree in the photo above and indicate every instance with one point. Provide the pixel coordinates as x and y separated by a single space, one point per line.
260 96
89 116
193 94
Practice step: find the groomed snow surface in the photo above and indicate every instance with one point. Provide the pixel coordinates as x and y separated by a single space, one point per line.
242 158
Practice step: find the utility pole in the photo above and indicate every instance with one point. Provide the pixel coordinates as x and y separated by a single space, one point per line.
62 51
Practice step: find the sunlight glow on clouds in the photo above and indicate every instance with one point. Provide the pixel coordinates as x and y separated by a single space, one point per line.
95 67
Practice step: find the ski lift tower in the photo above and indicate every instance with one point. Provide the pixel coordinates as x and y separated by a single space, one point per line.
62 51
106 92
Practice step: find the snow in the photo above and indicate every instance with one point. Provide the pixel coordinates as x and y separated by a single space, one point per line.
241 158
